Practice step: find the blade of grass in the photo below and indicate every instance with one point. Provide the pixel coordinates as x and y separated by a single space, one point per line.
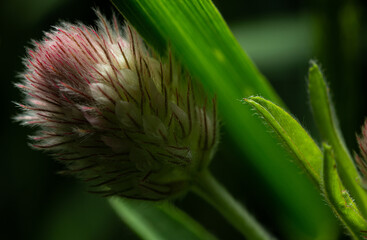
201 40
158 222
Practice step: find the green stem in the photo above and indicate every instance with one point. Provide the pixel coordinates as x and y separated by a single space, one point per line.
214 193
339 199
327 124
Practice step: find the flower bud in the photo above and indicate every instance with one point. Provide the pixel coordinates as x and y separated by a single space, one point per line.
120 118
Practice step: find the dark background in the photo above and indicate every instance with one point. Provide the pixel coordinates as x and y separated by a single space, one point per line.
279 35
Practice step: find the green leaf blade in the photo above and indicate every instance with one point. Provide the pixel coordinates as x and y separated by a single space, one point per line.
158 222
296 139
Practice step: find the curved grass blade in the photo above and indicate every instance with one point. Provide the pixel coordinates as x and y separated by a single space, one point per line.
294 136
158 222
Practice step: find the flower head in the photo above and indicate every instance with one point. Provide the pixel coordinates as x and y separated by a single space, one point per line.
120 118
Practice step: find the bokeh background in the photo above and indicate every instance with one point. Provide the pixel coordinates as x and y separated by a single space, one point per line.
281 36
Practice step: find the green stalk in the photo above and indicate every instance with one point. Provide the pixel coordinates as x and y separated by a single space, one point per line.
339 198
214 193
328 126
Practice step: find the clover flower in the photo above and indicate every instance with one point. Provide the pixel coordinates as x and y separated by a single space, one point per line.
119 117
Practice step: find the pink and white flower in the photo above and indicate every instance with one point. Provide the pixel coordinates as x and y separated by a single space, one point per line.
120 118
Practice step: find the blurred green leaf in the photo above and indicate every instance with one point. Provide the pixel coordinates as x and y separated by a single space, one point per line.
158 222
277 43
339 199
327 123
32 12
295 138
201 40
75 214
